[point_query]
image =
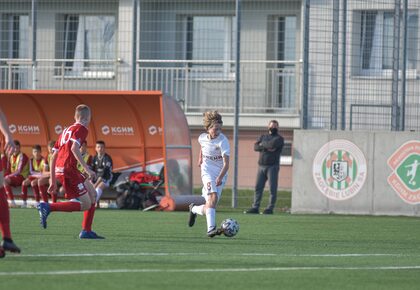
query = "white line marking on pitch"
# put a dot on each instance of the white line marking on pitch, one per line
(205, 254)
(110, 271)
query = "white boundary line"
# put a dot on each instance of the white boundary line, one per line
(224, 270)
(206, 254)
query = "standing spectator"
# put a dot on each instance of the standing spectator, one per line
(37, 166)
(269, 146)
(19, 171)
(7, 243)
(63, 167)
(214, 162)
(102, 165)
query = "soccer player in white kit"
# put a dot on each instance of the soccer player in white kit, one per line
(214, 162)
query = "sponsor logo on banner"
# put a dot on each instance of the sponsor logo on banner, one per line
(153, 130)
(339, 170)
(405, 176)
(105, 130)
(58, 129)
(118, 130)
(12, 128)
(25, 129)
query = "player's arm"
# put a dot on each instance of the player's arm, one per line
(224, 170)
(275, 144)
(108, 168)
(76, 152)
(46, 167)
(9, 146)
(200, 158)
(258, 146)
(53, 183)
(32, 171)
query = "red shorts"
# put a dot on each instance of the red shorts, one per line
(31, 177)
(16, 180)
(73, 183)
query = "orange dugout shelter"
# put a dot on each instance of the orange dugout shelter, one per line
(143, 131)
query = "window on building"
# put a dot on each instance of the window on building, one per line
(281, 48)
(14, 31)
(286, 154)
(88, 44)
(14, 45)
(376, 41)
(210, 39)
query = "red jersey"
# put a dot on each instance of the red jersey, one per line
(66, 162)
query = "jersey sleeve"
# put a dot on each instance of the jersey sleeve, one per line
(79, 135)
(225, 147)
(57, 144)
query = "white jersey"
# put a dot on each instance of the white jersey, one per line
(212, 151)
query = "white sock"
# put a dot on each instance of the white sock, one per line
(211, 218)
(198, 209)
(98, 194)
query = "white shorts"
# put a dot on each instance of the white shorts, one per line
(209, 186)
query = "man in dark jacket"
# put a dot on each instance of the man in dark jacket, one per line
(269, 146)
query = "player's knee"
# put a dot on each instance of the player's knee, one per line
(211, 203)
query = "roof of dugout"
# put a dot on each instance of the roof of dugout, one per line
(143, 130)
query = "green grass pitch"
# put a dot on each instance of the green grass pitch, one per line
(157, 250)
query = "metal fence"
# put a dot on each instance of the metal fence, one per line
(362, 65)
(332, 64)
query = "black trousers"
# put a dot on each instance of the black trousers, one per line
(272, 174)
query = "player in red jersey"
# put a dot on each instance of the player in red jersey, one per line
(7, 243)
(37, 166)
(63, 168)
(19, 171)
(43, 181)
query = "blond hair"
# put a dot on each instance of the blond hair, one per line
(82, 112)
(210, 118)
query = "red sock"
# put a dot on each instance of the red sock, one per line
(35, 189)
(54, 197)
(88, 218)
(4, 215)
(67, 206)
(24, 192)
(9, 192)
(43, 192)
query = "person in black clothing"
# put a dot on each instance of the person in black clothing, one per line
(269, 146)
(102, 165)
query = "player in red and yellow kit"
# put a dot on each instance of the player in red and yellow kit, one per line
(7, 243)
(63, 168)
(45, 178)
(19, 171)
(37, 166)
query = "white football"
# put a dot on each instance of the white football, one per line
(230, 227)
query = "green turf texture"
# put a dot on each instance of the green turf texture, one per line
(280, 251)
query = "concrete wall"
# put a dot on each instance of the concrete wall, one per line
(385, 186)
